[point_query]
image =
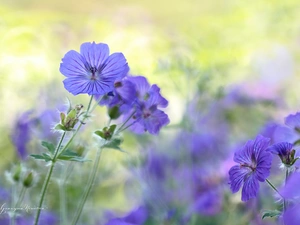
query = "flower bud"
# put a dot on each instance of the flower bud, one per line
(28, 181)
(17, 173)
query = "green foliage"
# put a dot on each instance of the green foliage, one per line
(271, 213)
(68, 155)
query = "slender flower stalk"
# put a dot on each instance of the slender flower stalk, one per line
(126, 121)
(274, 188)
(285, 202)
(56, 154)
(88, 187)
(46, 182)
(13, 190)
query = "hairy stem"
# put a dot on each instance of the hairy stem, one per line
(46, 182)
(88, 187)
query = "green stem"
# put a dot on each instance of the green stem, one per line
(21, 196)
(13, 192)
(46, 182)
(285, 202)
(88, 187)
(274, 188)
(120, 129)
(56, 155)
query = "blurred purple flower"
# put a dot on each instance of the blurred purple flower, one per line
(47, 218)
(292, 216)
(136, 217)
(208, 203)
(254, 166)
(285, 152)
(293, 121)
(291, 189)
(21, 133)
(147, 116)
(93, 70)
(123, 96)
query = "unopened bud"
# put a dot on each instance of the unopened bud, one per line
(28, 181)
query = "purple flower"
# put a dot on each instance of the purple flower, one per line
(21, 134)
(293, 121)
(136, 217)
(291, 189)
(123, 96)
(291, 216)
(147, 116)
(285, 152)
(93, 70)
(254, 166)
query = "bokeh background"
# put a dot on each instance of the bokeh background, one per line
(225, 66)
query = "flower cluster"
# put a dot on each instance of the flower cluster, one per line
(93, 71)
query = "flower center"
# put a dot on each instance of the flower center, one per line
(94, 73)
(252, 167)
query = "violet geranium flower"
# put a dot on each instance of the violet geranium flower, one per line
(285, 152)
(148, 116)
(92, 71)
(254, 166)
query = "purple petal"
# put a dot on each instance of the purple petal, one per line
(94, 54)
(157, 120)
(291, 189)
(292, 215)
(115, 67)
(141, 84)
(237, 175)
(80, 86)
(282, 148)
(293, 121)
(73, 64)
(156, 98)
(250, 188)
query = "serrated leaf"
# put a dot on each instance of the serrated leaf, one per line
(37, 156)
(49, 146)
(271, 213)
(68, 155)
(114, 144)
(45, 157)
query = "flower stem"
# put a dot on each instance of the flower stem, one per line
(285, 203)
(120, 129)
(21, 196)
(274, 188)
(46, 182)
(56, 155)
(13, 194)
(88, 187)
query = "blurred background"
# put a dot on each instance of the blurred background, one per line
(226, 67)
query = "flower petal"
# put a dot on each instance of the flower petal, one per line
(80, 86)
(73, 64)
(250, 188)
(94, 54)
(115, 67)
(236, 177)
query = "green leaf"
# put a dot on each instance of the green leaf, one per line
(45, 157)
(60, 127)
(68, 155)
(99, 133)
(114, 143)
(271, 213)
(49, 146)
(112, 128)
